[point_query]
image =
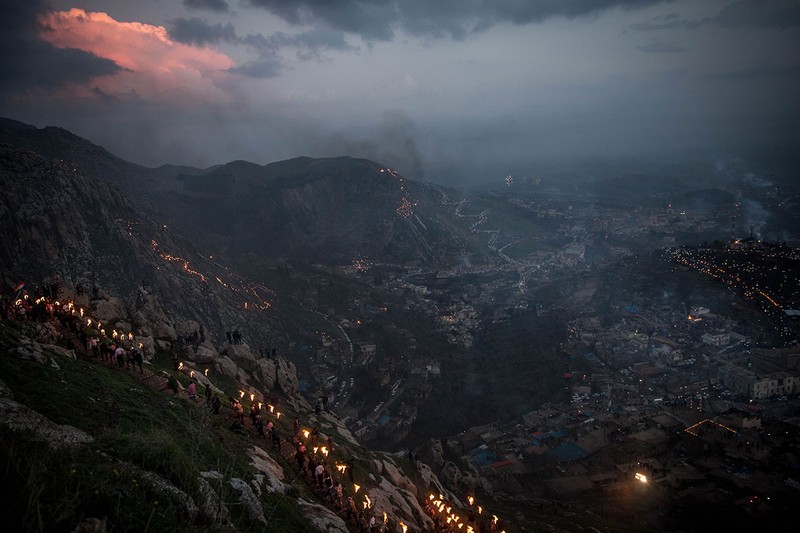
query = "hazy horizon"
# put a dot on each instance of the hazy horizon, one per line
(442, 92)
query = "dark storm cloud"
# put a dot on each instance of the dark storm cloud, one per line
(308, 45)
(379, 19)
(662, 47)
(220, 6)
(670, 21)
(311, 43)
(28, 63)
(778, 14)
(754, 14)
(261, 68)
(196, 31)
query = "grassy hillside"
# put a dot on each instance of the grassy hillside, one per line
(137, 429)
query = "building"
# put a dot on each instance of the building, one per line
(755, 386)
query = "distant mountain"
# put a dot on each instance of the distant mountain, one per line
(327, 211)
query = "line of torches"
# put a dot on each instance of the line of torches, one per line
(342, 468)
(269, 406)
(116, 335)
(440, 505)
(437, 504)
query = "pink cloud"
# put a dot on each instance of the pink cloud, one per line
(156, 67)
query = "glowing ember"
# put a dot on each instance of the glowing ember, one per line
(356, 488)
(406, 209)
(180, 365)
(405, 527)
(367, 502)
(306, 433)
(252, 396)
(205, 372)
(341, 468)
(174, 259)
(241, 394)
(278, 415)
(641, 477)
(470, 499)
(362, 265)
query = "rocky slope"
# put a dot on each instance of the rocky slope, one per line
(257, 480)
(57, 221)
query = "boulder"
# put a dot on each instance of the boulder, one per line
(212, 507)
(266, 372)
(165, 487)
(108, 309)
(248, 500)
(287, 377)
(148, 346)
(186, 327)
(201, 355)
(430, 478)
(272, 471)
(395, 475)
(241, 351)
(322, 519)
(20, 418)
(226, 367)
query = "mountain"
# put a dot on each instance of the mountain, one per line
(332, 210)
(57, 221)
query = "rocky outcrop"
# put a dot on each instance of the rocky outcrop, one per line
(248, 500)
(108, 309)
(272, 471)
(19, 418)
(400, 505)
(322, 518)
(212, 507)
(161, 485)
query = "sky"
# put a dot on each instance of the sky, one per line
(437, 89)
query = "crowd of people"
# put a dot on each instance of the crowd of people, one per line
(312, 452)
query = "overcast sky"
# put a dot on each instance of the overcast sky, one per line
(428, 86)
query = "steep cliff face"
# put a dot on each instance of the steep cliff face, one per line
(55, 220)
